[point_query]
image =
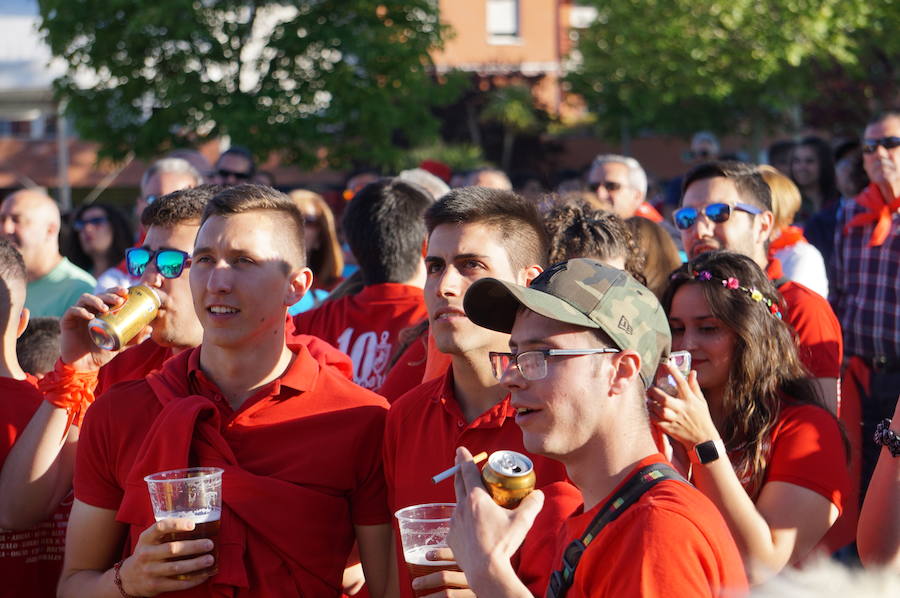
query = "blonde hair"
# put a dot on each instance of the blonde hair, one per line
(786, 197)
(326, 261)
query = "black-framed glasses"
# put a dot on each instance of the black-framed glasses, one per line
(685, 218)
(79, 225)
(533, 364)
(170, 263)
(608, 185)
(241, 176)
(870, 146)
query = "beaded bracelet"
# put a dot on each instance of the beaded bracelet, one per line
(118, 581)
(884, 436)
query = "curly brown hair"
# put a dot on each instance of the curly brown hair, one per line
(765, 372)
(578, 230)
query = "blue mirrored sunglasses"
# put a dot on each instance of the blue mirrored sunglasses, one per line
(685, 218)
(170, 263)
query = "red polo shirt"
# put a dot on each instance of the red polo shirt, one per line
(30, 560)
(819, 340)
(365, 326)
(423, 430)
(671, 542)
(132, 364)
(302, 461)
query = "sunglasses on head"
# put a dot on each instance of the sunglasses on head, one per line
(608, 185)
(79, 225)
(685, 218)
(170, 263)
(243, 176)
(870, 146)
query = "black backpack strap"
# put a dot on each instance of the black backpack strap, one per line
(634, 488)
(778, 282)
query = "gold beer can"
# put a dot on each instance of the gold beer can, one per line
(116, 327)
(509, 477)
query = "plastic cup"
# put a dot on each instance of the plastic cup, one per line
(424, 528)
(194, 493)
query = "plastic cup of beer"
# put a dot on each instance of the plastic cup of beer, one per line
(194, 493)
(424, 528)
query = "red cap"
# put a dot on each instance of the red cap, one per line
(438, 169)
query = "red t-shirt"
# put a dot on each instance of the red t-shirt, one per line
(409, 370)
(30, 560)
(311, 430)
(819, 339)
(671, 542)
(365, 326)
(132, 364)
(425, 426)
(807, 450)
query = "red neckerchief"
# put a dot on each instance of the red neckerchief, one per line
(790, 236)
(878, 210)
(645, 210)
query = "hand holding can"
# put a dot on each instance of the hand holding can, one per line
(115, 328)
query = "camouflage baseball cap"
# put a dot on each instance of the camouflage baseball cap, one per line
(586, 293)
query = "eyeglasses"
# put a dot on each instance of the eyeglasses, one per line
(170, 263)
(79, 225)
(241, 176)
(608, 185)
(533, 364)
(685, 218)
(870, 146)
(150, 199)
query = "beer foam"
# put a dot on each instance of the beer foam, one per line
(416, 556)
(198, 516)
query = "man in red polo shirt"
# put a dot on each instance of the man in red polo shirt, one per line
(383, 225)
(474, 232)
(31, 556)
(586, 340)
(728, 205)
(299, 443)
(39, 470)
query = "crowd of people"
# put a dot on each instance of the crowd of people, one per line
(331, 357)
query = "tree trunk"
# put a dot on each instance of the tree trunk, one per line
(509, 139)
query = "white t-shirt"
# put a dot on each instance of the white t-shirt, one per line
(803, 263)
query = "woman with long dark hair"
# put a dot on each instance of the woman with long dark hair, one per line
(761, 444)
(100, 235)
(812, 170)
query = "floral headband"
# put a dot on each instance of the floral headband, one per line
(735, 285)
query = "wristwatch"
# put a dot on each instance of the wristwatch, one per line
(884, 436)
(706, 452)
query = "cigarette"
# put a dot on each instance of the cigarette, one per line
(452, 471)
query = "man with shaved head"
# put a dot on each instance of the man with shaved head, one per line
(30, 220)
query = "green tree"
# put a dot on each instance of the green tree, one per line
(512, 107)
(738, 66)
(352, 77)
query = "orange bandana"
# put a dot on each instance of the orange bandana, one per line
(878, 211)
(790, 236)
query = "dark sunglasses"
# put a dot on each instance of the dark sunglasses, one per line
(170, 263)
(685, 218)
(79, 225)
(870, 146)
(242, 176)
(608, 185)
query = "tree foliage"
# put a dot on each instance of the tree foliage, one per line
(731, 66)
(513, 108)
(351, 76)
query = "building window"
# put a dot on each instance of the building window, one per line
(502, 21)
